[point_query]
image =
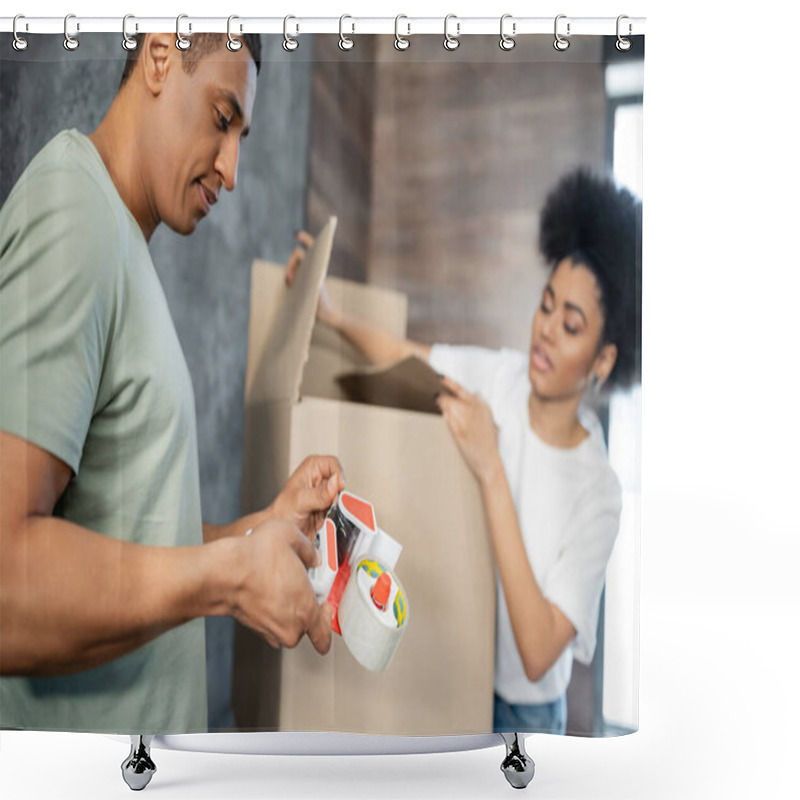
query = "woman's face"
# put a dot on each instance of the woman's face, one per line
(565, 339)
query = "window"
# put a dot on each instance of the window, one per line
(624, 88)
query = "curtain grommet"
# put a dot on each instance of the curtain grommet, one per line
(233, 44)
(290, 44)
(401, 42)
(622, 44)
(181, 42)
(561, 43)
(507, 42)
(19, 44)
(345, 43)
(128, 42)
(70, 42)
(451, 42)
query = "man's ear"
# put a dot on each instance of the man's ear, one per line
(157, 57)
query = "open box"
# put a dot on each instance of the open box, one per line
(404, 461)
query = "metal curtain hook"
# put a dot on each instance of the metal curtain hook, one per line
(507, 42)
(234, 45)
(70, 42)
(181, 42)
(560, 42)
(19, 43)
(128, 42)
(345, 43)
(623, 44)
(401, 42)
(451, 42)
(289, 44)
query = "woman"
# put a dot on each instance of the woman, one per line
(551, 498)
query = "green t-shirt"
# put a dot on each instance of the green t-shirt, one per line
(91, 370)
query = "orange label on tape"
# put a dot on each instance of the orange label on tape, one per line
(360, 509)
(335, 596)
(330, 531)
(381, 591)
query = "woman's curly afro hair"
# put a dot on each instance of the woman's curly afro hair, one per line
(591, 221)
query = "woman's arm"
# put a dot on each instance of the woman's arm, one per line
(376, 344)
(541, 630)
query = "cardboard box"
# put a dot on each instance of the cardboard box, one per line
(404, 462)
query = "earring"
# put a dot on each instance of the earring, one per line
(594, 381)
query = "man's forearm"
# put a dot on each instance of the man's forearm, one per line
(213, 533)
(72, 599)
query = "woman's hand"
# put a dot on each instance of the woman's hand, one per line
(305, 241)
(326, 311)
(470, 421)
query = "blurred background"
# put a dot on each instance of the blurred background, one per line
(436, 165)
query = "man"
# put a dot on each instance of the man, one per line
(106, 570)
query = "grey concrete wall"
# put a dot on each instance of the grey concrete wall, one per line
(206, 276)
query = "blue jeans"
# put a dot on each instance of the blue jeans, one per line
(535, 718)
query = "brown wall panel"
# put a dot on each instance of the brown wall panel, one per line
(464, 155)
(340, 173)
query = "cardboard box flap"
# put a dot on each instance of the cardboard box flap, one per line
(281, 321)
(331, 354)
(411, 384)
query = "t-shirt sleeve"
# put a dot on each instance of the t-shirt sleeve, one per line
(477, 369)
(57, 288)
(493, 374)
(575, 581)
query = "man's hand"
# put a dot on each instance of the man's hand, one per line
(274, 596)
(309, 493)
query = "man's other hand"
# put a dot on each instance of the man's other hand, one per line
(309, 493)
(274, 596)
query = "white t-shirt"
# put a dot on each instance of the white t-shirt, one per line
(568, 504)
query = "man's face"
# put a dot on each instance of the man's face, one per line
(193, 145)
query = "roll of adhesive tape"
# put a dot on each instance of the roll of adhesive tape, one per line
(373, 614)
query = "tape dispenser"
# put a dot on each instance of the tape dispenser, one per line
(370, 608)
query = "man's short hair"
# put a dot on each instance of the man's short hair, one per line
(202, 45)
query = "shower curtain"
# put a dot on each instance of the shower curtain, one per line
(471, 211)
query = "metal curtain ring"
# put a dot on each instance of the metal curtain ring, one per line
(507, 42)
(401, 42)
(289, 44)
(451, 42)
(623, 44)
(234, 45)
(19, 43)
(181, 42)
(344, 42)
(560, 42)
(70, 42)
(128, 42)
